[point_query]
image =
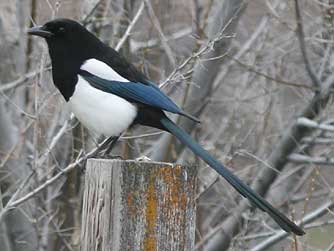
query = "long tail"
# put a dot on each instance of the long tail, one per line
(242, 188)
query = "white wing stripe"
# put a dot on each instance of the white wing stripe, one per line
(102, 70)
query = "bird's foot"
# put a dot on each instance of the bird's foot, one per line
(143, 158)
(104, 155)
(109, 156)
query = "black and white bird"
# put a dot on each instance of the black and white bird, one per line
(108, 95)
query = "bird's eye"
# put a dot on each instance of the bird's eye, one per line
(61, 29)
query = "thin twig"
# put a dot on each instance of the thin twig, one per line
(301, 37)
(86, 20)
(54, 141)
(15, 203)
(130, 27)
(305, 122)
(279, 81)
(157, 26)
(154, 42)
(13, 197)
(209, 45)
(319, 212)
(318, 140)
(304, 159)
(141, 135)
(20, 81)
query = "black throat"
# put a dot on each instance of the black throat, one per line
(64, 74)
(67, 58)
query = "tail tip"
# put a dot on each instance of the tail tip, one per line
(193, 118)
(298, 231)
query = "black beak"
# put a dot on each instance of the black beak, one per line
(40, 31)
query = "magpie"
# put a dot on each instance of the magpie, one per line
(108, 95)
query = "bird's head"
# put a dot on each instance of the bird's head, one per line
(59, 30)
(66, 38)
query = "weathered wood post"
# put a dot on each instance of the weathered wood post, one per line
(138, 206)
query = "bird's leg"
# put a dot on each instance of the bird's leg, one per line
(106, 147)
(111, 144)
(104, 150)
(109, 141)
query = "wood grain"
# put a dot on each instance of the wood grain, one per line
(137, 206)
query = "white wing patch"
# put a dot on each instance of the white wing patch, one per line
(103, 113)
(102, 70)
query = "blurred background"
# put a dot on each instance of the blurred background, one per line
(259, 75)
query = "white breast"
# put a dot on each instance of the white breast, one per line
(101, 112)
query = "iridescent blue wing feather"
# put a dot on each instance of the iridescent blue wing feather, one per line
(147, 93)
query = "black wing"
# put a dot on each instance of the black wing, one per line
(143, 93)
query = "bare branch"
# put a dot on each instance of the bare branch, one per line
(277, 159)
(156, 24)
(138, 45)
(279, 81)
(50, 181)
(20, 81)
(301, 37)
(304, 159)
(319, 212)
(130, 27)
(54, 141)
(13, 197)
(318, 140)
(314, 125)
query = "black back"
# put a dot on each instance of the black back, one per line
(71, 45)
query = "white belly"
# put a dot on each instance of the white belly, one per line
(101, 112)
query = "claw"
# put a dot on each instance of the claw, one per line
(143, 158)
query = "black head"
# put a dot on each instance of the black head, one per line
(70, 44)
(60, 28)
(66, 37)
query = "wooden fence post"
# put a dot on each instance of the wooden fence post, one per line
(138, 206)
